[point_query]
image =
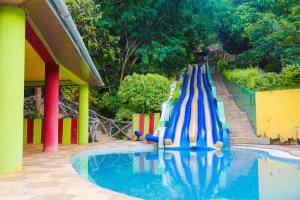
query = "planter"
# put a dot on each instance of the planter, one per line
(145, 123)
(33, 131)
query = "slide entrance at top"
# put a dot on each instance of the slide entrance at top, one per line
(194, 122)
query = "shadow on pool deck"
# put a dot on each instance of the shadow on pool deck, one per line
(51, 176)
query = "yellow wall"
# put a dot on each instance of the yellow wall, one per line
(278, 112)
(35, 67)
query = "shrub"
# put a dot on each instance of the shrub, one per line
(177, 91)
(290, 76)
(267, 81)
(223, 65)
(144, 93)
(71, 93)
(248, 58)
(124, 114)
(107, 104)
(257, 80)
(244, 77)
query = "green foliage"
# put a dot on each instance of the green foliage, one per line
(71, 92)
(124, 114)
(257, 80)
(267, 81)
(29, 91)
(223, 64)
(107, 104)
(143, 36)
(262, 33)
(161, 36)
(177, 91)
(290, 76)
(144, 93)
(244, 77)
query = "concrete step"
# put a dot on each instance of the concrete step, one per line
(244, 140)
(241, 130)
(249, 140)
(241, 135)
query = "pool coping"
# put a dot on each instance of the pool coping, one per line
(113, 150)
(278, 153)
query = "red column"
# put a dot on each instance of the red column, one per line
(51, 107)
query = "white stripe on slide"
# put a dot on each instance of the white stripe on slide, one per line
(193, 126)
(209, 139)
(180, 120)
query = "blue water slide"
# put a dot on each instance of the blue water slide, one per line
(216, 129)
(170, 130)
(201, 137)
(184, 139)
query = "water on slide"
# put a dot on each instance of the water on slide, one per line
(194, 122)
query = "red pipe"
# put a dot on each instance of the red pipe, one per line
(51, 107)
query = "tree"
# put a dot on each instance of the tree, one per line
(262, 33)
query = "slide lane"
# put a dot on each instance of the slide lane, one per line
(192, 124)
(170, 130)
(186, 114)
(208, 123)
(201, 138)
(215, 125)
(182, 113)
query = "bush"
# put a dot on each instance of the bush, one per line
(177, 91)
(244, 77)
(71, 92)
(257, 80)
(267, 81)
(223, 65)
(124, 114)
(290, 76)
(248, 58)
(144, 93)
(107, 104)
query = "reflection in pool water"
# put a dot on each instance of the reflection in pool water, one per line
(234, 174)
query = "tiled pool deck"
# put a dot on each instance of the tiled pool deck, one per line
(51, 176)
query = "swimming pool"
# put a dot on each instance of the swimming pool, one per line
(228, 174)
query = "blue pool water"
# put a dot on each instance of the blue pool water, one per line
(228, 174)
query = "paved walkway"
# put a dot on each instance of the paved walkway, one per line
(51, 176)
(241, 131)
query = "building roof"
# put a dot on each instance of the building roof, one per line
(53, 23)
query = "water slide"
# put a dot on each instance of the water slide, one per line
(194, 122)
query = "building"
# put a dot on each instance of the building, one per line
(39, 46)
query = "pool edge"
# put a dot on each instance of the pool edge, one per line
(278, 153)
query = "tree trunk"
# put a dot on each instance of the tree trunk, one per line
(38, 101)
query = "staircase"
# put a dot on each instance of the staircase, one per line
(241, 130)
